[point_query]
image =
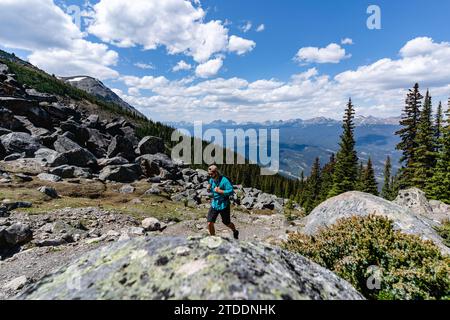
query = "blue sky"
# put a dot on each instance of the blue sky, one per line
(236, 71)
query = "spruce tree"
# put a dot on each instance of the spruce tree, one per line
(313, 185)
(359, 186)
(370, 184)
(386, 192)
(425, 152)
(439, 188)
(346, 168)
(408, 135)
(327, 178)
(438, 128)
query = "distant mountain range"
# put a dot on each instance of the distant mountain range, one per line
(301, 141)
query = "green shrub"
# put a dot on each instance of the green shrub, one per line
(408, 267)
(444, 232)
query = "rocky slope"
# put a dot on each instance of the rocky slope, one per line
(193, 269)
(97, 88)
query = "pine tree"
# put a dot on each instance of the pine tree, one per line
(313, 185)
(386, 192)
(408, 135)
(370, 184)
(344, 177)
(425, 153)
(438, 128)
(439, 188)
(359, 186)
(327, 178)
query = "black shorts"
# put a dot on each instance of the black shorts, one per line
(225, 214)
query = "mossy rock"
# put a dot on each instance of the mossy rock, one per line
(197, 268)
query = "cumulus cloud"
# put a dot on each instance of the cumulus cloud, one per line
(261, 28)
(377, 89)
(333, 53)
(55, 42)
(178, 25)
(181, 65)
(209, 68)
(240, 45)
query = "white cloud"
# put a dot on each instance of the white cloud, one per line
(333, 53)
(261, 28)
(209, 68)
(347, 41)
(246, 27)
(240, 45)
(377, 89)
(179, 25)
(55, 42)
(144, 66)
(182, 65)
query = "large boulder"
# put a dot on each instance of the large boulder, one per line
(28, 108)
(415, 200)
(125, 173)
(74, 153)
(51, 157)
(150, 145)
(20, 142)
(159, 164)
(158, 268)
(362, 204)
(121, 146)
(15, 235)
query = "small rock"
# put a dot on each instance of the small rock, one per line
(49, 177)
(155, 191)
(23, 177)
(151, 224)
(127, 189)
(51, 192)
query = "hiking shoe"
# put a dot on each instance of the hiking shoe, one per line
(236, 234)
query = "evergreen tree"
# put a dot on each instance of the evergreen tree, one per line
(425, 153)
(327, 178)
(370, 184)
(386, 192)
(346, 168)
(313, 185)
(438, 128)
(359, 186)
(408, 135)
(439, 188)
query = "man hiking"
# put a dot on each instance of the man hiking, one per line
(221, 189)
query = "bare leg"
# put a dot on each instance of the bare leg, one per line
(212, 230)
(232, 226)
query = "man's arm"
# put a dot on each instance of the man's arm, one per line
(228, 187)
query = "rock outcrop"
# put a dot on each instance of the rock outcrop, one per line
(196, 268)
(362, 204)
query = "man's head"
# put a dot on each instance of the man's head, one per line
(213, 172)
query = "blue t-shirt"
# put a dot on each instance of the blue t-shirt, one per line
(220, 202)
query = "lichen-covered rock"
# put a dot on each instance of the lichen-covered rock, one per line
(414, 199)
(362, 204)
(195, 268)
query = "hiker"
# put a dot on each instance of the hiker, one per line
(222, 189)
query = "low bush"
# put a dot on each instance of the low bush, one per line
(377, 260)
